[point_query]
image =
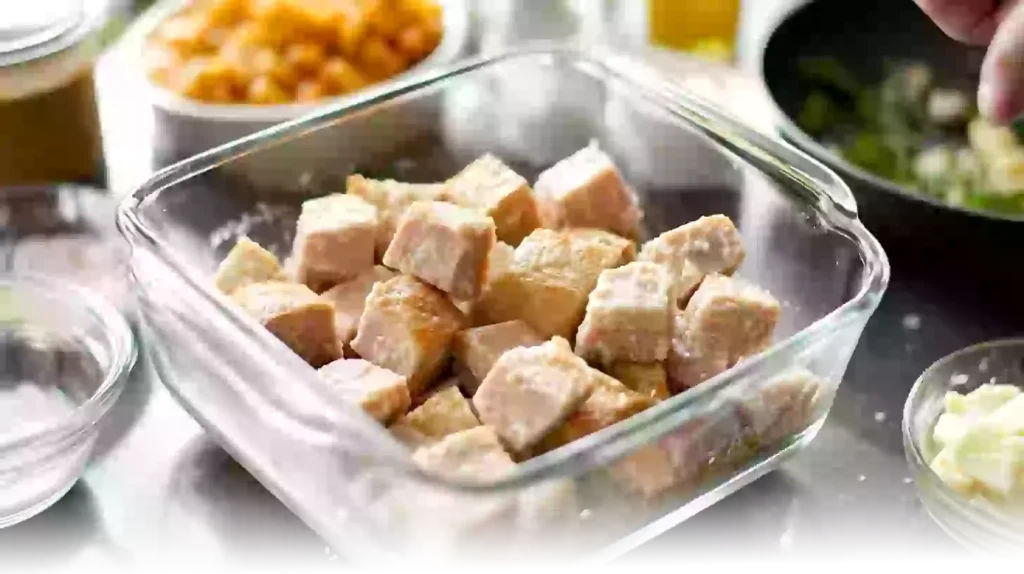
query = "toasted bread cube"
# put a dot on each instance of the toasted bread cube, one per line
(489, 185)
(391, 198)
(549, 504)
(349, 299)
(444, 413)
(295, 315)
(407, 327)
(782, 406)
(444, 245)
(609, 402)
(530, 391)
(629, 316)
(648, 379)
(246, 263)
(585, 190)
(711, 244)
(726, 320)
(476, 350)
(380, 392)
(500, 259)
(474, 454)
(334, 240)
(697, 445)
(647, 471)
(550, 278)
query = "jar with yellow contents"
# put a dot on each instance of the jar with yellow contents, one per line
(704, 27)
(49, 124)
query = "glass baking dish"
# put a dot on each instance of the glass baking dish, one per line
(344, 474)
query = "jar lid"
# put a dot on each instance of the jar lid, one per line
(32, 29)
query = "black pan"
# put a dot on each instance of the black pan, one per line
(863, 35)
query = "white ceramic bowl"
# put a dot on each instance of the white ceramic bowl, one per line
(185, 127)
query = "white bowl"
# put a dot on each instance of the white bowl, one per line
(185, 127)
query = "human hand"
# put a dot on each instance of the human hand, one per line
(1000, 25)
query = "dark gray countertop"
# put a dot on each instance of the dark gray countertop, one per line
(160, 490)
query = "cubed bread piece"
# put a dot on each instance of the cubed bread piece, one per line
(783, 406)
(726, 320)
(296, 315)
(476, 350)
(391, 198)
(609, 402)
(489, 185)
(334, 240)
(702, 442)
(444, 413)
(530, 391)
(349, 299)
(629, 316)
(711, 244)
(585, 190)
(407, 327)
(550, 278)
(648, 379)
(647, 471)
(246, 263)
(549, 504)
(444, 245)
(499, 260)
(471, 454)
(381, 393)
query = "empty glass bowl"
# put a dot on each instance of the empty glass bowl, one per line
(974, 522)
(65, 354)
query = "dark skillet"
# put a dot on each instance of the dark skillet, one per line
(916, 230)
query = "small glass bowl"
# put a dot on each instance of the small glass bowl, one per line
(974, 522)
(65, 354)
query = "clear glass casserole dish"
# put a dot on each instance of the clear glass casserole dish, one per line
(344, 474)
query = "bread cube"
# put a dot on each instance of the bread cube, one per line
(701, 443)
(552, 503)
(295, 315)
(471, 454)
(608, 403)
(648, 379)
(444, 413)
(407, 327)
(246, 263)
(647, 471)
(391, 198)
(476, 350)
(334, 240)
(726, 320)
(530, 391)
(629, 316)
(711, 244)
(444, 245)
(783, 406)
(349, 299)
(499, 260)
(489, 185)
(550, 278)
(380, 392)
(585, 190)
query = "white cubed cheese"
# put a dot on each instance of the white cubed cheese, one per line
(407, 326)
(530, 391)
(334, 240)
(381, 393)
(629, 316)
(445, 245)
(585, 190)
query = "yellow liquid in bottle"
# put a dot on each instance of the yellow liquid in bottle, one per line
(704, 27)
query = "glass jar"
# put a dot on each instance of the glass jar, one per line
(49, 124)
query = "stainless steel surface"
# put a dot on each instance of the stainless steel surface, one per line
(160, 491)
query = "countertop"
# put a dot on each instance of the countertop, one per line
(160, 491)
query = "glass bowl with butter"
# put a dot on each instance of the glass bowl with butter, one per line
(963, 432)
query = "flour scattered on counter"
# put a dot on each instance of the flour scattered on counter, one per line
(861, 478)
(907, 480)
(911, 322)
(983, 365)
(959, 380)
(880, 417)
(585, 514)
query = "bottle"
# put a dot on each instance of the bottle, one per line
(704, 27)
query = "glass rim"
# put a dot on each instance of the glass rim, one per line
(826, 194)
